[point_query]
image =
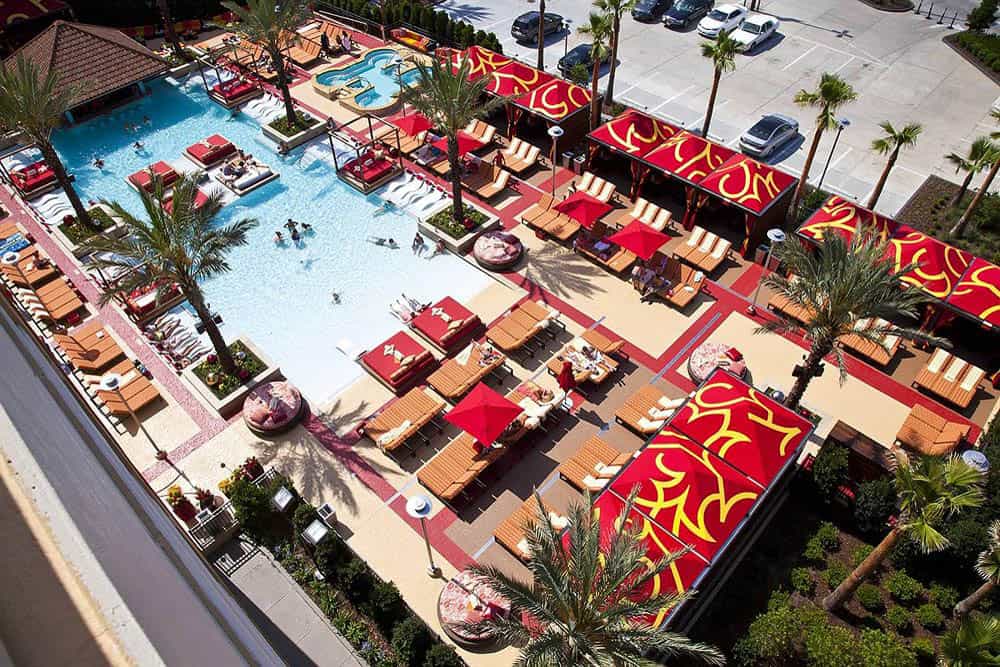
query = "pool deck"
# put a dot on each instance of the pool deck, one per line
(330, 462)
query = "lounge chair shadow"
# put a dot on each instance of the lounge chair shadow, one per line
(560, 271)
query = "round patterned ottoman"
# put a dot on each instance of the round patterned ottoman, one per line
(707, 356)
(464, 599)
(497, 250)
(272, 408)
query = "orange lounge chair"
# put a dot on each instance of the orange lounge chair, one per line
(930, 434)
(89, 348)
(646, 411)
(455, 377)
(55, 301)
(593, 465)
(602, 343)
(609, 255)
(402, 419)
(951, 378)
(33, 268)
(870, 349)
(596, 373)
(511, 532)
(136, 389)
(520, 156)
(685, 282)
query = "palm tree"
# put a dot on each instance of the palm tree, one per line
(598, 28)
(974, 204)
(974, 643)
(981, 154)
(584, 605)
(723, 55)
(930, 490)
(271, 24)
(169, 33)
(450, 101)
(832, 93)
(890, 143)
(181, 247)
(840, 284)
(613, 9)
(988, 567)
(36, 105)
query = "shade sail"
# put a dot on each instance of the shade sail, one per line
(483, 414)
(939, 265)
(634, 133)
(413, 124)
(845, 217)
(514, 79)
(755, 434)
(978, 293)
(483, 61)
(688, 157)
(749, 184)
(584, 208)
(466, 143)
(555, 100)
(682, 575)
(688, 490)
(640, 238)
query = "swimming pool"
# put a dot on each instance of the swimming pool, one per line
(279, 296)
(374, 74)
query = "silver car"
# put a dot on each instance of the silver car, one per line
(768, 134)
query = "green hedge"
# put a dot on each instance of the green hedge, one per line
(985, 48)
(982, 17)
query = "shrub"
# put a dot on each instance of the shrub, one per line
(879, 649)
(385, 605)
(924, 648)
(252, 508)
(304, 515)
(869, 596)
(772, 636)
(830, 646)
(830, 469)
(874, 503)
(442, 655)
(860, 553)
(929, 616)
(355, 580)
(802, 581)
(904, 588)
(330, 555)
(814, 551)
(410, 641)
(985, 48)
(966, 539)
(828, 536)
(945, 597)
(898, 618)
(835, 573)
(983, 15)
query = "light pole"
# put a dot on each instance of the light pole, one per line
(775, 236)
(419, 507)
(113, 382)
(842, 124)
(555, 132)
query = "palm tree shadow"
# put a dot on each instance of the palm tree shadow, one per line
(560, 271)
(470, 12)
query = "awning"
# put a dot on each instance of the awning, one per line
(633, 133)
(688, 157)
(978, 293)
(639, 238)
(555, 100)
(483, 61)
(751, 185)
(514, 79)
(484, 414)
(845, 217)
(940, 266)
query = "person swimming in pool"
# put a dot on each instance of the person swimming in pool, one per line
(295, 234)
(138, 146)
(306, 227)
(388, 243)
(335, 296)
(290, 225)
(98, 162)
(146, 120)
(279, 237)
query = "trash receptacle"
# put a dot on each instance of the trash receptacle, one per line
(761, 255)
(578, 162)
(567, 159)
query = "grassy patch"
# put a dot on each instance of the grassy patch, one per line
(444, 221)
(78, 233)
(247, 363)
(282, 125)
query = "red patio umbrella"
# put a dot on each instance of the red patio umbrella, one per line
(583, 208)
(466, 143)
(413, 124)
(566, 379)
(640, 238)
(484, 414)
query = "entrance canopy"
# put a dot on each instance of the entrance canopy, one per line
(555, 100)
(750, 185)
(633, 133)
(688, 157)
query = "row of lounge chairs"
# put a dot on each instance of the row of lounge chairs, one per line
(488, 181)
(517, 329)
(589, 363)
(520, 156)
(595, 186)
(543, 217)
(951, 378)
(930, 434)
(704, 250)
(37, 283)
(646, 411)
(595, 246)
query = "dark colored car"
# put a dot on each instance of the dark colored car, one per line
(525, 28)
(650, 10)
(579, 55)
(686, 13)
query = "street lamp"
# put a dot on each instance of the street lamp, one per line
(419, 507)
(555, 132)
(775, 236)
(113, 382)
(842, 124)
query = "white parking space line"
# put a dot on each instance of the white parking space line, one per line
(833, 165)
(846, 63)
(800, 57)
(674, 97)
(867, 56)
(488, 26)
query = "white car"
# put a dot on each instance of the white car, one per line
(754, 31)
(723, 17)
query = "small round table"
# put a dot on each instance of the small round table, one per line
(464, 599)
(707, 356)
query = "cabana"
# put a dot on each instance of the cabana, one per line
(559, 103)
(845, 217)
(368, 164)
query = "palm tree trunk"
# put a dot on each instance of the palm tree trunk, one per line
(793, 207)
(457, 209)
(197, 300)
(541, 34)
(847, 587)
(711, 102)
(282, 82)
(962, 190)
(820, 349)
(963, 608)
(595, 107)
(52, 159)
(883, 178)
(168, 28)
(610, 91)
(959, 227)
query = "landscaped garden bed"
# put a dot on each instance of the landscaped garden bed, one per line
(73, 234)
(979, 48)
(459, 236)
(288, 135)
(226, 392)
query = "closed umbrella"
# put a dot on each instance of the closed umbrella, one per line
(583, 208)
(484, 414)
(640, 238)
(566, 378)
(466, 143)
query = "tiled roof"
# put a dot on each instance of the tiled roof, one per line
(94, 59)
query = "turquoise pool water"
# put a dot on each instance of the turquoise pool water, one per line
(371, 70)
(278, 296)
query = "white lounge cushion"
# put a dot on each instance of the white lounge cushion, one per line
(972, 378)
(937, 361)
(955, 369)
(648, 426)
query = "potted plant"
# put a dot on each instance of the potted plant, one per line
(205, 498)
(182, 507)
(253, 468)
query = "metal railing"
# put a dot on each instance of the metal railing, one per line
(221, 525)
(942, 14)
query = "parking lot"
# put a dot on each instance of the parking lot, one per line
(897, 63)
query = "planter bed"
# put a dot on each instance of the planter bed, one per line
(73, 238)
(461, 243)
(262, 369)
(314, 128)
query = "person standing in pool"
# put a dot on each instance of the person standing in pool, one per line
(290, 225)
(418, 244)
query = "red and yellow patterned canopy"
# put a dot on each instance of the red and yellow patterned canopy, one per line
(978, 293)
(555, 100)
(749, 184)
(514, 79)
(940, 266)
(752, 432)
(483, 61)
(688, 157)
(634, 133)
(845, 217)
